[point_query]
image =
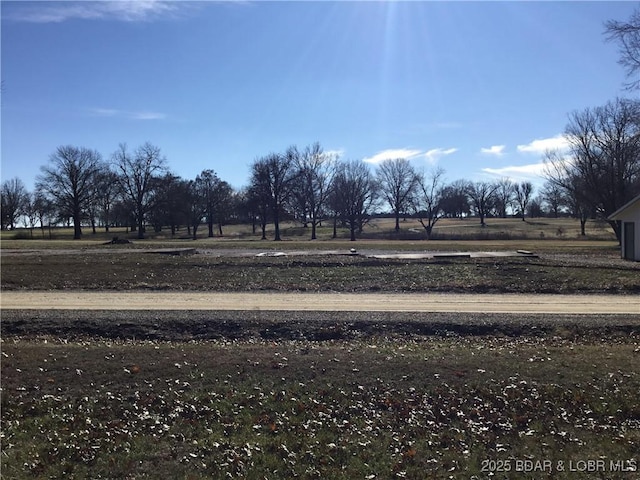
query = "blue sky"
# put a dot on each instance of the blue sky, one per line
(480, 89)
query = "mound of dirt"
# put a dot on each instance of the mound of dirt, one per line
(117, 241)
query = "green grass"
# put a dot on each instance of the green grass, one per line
(405, 407)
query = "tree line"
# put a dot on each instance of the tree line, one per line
(595, 176)
(136, 189)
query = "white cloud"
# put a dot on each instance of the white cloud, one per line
(337, 153)
(124, 10)
(540, 146)
(532, 171)
(142, 115)
(392, 154)
(497, 150)
(104, 112)
(433, 155)
(147, 116)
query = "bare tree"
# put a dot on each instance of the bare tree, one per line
(554, 197)
(535, 207)
(136, 178)
(272, 179)
(105, 189)
(315, 172)
(68, 181)
(14, 195)
(580, 204)
(29, 213)
(355, 193)
(106, 195)
(523, 192)
(559, 172)
(210, 184)
(504, 196)
(171, 203)
(398, 183)
(455, 201)
(259, 194)
(45, 211)
(196, 203)
(481, 195)
(428, 199)
(603, 158)
(627, 34)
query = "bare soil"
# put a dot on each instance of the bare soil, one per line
(304, 325)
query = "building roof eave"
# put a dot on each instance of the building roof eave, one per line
(627, 205)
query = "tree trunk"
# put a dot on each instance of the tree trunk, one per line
(397, 222)
(313, 227)
(615, 225)
(429, 229)
(77, 229)
(276, 224)
(140, 226)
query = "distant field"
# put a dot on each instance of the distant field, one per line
(446, 229)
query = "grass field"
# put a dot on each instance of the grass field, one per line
(381, 229)
(392, 406)
(284, 395)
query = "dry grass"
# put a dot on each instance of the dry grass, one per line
(381, 407)
(383, 228)
(601, 271)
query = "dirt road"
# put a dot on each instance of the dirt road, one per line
(323, 302)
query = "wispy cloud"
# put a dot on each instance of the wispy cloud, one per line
(336, 153)
(433, 155)
(532, 171)
(540, 146)
(392, 154)
(445, 125)
(141, 115)
(123, 10)
(497, 150)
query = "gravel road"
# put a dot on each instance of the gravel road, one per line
(378, 302)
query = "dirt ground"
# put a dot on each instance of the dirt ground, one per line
(177, 325)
